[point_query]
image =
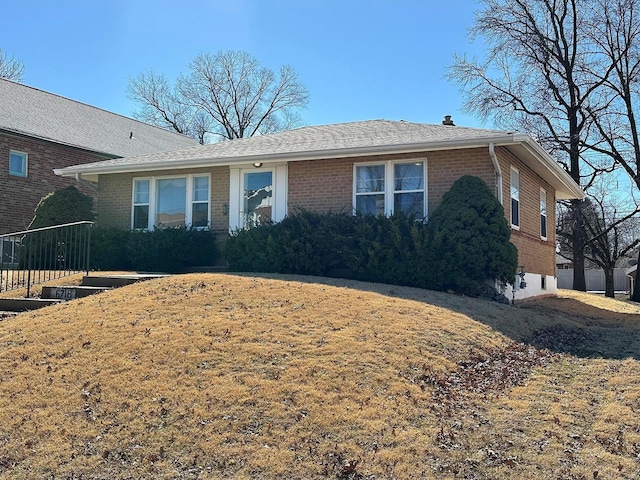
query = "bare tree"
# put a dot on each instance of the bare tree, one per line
(615, 27)
(538, 77)
(10, 67)
(226, 95)
(611, 227)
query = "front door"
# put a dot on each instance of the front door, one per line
(257, 198)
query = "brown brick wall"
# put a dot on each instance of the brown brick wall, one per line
(537, 255)
(20, 195)
(114, 207)
(445, 167)
(327, 185)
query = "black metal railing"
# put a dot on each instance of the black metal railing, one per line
(43, 254)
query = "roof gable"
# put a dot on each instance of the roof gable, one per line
(36, 113)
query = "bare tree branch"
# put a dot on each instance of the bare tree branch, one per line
(226, 95)
(10, 67)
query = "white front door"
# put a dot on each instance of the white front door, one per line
(257, 196)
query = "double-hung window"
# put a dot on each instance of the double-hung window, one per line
(167, 202)
(515, 198)
(543, 214)
(390, 187)
(18, 163)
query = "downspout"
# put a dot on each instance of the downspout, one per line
(496, 166)
(91, 186)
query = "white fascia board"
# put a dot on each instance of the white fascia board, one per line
(574, 190)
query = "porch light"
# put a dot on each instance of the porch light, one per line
(257, 164)
(523, 284)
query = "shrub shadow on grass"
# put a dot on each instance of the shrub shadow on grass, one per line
(563, 325)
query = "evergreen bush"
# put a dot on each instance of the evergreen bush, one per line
(469, 240)
(464, 246)
(67, 205)
(170, 250)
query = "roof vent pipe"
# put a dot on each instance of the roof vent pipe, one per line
(447, 121)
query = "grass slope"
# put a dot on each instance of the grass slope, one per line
(222, 376)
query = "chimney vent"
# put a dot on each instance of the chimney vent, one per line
(447, 121)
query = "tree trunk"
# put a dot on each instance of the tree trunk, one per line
(578, 242)
(636, 288)
(609, 287)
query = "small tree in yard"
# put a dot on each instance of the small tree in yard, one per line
(469, 240)
(63, 206)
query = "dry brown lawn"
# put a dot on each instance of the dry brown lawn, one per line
(224, 376)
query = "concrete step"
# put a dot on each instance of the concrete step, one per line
(70, 292)
(118, 280)
(25, 304)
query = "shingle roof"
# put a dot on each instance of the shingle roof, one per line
(28, 111)
(369, 137)
(342, 137)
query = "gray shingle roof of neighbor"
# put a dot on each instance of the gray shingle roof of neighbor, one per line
(35, 113)
(371, 137)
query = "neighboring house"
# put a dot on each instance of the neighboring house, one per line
(375, 166)
(594, 275)
(40, 131)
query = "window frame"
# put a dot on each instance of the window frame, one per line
(543, 214)
(515, 225)
(389, 191)
(25, 164)
(189, 202)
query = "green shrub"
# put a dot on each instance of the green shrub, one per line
(469, 240)
(109, 249)
(377, 249)
(170, 250)
(464, 245)
(67, 205)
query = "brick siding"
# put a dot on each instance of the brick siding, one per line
(327, 185)
(19, 196)
(114, 205)
(535, 254)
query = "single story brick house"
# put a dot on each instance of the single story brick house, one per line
(375, 166)
(40, 131)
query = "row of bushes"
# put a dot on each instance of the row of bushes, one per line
(464, 244)
(169, 250)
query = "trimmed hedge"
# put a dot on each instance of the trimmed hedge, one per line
(170, 250)
(378, 249)
(463, 248)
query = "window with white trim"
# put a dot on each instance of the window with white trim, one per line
(543, 214)
(390, 187)
(168, 202)
(515, 198)
(18, 163)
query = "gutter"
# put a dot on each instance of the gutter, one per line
(91, 186)
(496, 165)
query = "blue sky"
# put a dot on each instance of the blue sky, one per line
(360, 59)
